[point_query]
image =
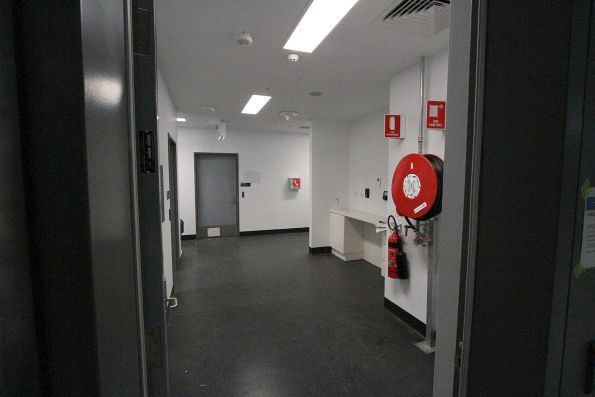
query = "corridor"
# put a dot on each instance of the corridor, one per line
(259, 316)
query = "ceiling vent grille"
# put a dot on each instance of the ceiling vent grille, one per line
(422, 16)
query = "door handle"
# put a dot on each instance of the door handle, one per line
(588, 389)
(172, 302)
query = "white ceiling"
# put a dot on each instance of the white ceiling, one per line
(203, 66)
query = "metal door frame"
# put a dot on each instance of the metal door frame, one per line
(457, 235)
(568, 247)
(143, 102)
(197, 155)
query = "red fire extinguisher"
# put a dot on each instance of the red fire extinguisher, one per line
(397, 260)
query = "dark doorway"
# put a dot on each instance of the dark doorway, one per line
(216, 177)
(174, 217)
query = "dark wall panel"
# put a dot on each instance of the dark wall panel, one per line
(526, 76)
(51, 98)
(73, 92)
(110, 199)
(19, 367)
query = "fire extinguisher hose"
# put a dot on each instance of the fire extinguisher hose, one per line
(392, 227)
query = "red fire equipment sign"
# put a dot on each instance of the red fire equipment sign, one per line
(392, 126)
(436, 115)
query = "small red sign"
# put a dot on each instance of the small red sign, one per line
(296, 183)
(436, 115)
(392, 126)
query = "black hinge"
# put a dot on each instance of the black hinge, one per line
(153, 349)
(141, 31)
(590, 370)
(146, 155)
(459, 355)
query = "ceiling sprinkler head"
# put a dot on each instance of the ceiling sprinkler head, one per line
(244, 39)
(293, 58)
(288, 114)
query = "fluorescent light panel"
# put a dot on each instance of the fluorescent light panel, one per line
(181, 119)
(255, 104)
(319, 20)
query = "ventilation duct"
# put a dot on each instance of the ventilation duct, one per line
(421, 16)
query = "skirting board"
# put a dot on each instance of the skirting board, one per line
(188, 237)
(320, 250)
(348, 257)
(275, 231)
(405, 317)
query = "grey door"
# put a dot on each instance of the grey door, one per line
(579, 335)
(216, 195)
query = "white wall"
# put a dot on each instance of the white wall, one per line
(330, 176)
(368, 156)
(411, 294)
(166, 127)
(274, 156)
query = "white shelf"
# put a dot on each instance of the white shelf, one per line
(378, 221)
(357, 235)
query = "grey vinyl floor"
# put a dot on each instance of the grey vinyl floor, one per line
(259, 316)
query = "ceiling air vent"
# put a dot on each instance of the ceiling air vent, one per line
(423, 16)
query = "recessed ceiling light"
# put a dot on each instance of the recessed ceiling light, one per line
(315, 93)
(318, 21)
(255, 104)
(210, 109)
(181, 119)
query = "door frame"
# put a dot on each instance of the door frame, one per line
(174, 216)
(457, 235)
(568, 249)
(197, 155)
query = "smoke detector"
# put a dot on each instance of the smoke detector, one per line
(244, 39)
(293, 58)
(288, 114)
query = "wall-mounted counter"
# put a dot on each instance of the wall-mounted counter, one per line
(357, 235)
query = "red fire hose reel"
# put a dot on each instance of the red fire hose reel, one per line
(417, 186)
